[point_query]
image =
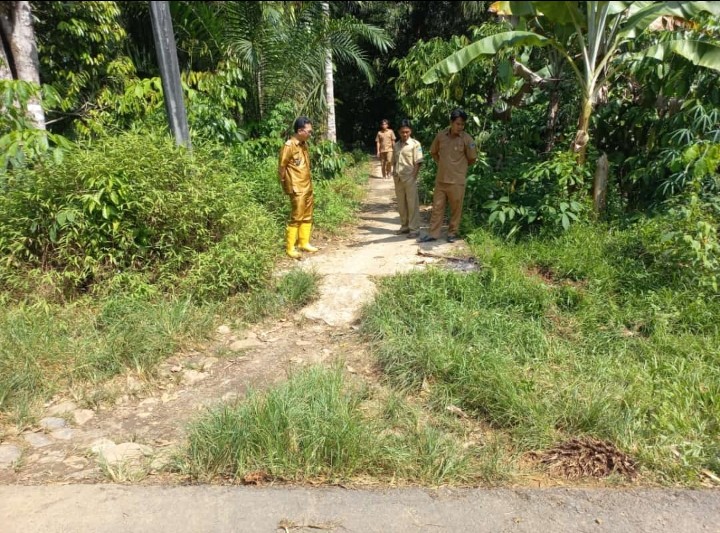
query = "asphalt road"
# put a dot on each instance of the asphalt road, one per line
(126, 509)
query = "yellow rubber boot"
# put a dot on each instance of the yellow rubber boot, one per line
(304, 238)
(291, 237)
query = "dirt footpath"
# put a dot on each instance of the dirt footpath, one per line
(56, 476)
(130, 435)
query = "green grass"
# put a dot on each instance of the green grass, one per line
(318, 425)
(48, 348)
(45, 350)
(337, 201)
(595, 346)
(65, 328)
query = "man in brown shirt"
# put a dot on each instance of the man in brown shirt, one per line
(407, 158)
(453, 150)
(296, 181)
(384, 141)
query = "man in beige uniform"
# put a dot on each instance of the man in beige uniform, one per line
(384, 144)
(453, 150)
(407, 158)
(296, 181)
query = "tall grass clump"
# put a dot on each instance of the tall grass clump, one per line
(578, 335)
(319, 425)
(309, 426)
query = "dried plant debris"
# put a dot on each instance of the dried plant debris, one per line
(586, 457)
(257, 477)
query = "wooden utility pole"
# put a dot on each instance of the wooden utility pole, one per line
(170, 72)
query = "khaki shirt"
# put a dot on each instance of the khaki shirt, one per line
(455, 153)
(295, 159)
(405, 157)
(386, 139)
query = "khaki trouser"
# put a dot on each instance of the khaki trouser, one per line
(446, 193)
(386, 159)
(302, 208)
(408, 203)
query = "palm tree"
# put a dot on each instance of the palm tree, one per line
(253, 34)
(289, 50)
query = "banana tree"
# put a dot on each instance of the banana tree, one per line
(599, 32)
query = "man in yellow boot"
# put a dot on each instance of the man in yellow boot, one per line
(294, 173)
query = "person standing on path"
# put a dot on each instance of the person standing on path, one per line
(384, 145)
(407, 158)
(296, 181)
(453, 150)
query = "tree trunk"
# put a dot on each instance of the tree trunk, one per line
(5, 72)
(7, 69)
(600, 184)
(552, 117)
(331, 134)
(259, 85)
(582, 136)
(23, 61)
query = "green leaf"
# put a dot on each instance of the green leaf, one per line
(700, 53)
(561, 12)
(565, 222)
(487, 46)
(505, 72)
(639, 21)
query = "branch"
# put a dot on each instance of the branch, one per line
(528, 75)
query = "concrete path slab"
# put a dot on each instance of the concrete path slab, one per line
(128, 509)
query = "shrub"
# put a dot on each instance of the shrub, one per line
(548, 193)
(328, 160)
(685, 243)
(135, 203)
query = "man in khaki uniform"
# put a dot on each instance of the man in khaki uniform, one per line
(407, 158)
(384, 144)
(453, 150)
(296, 181)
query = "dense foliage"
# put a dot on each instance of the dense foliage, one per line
(135, 203)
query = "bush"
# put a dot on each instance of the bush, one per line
(547, 194)
(135, 203)
(328, 160)
(684, 242)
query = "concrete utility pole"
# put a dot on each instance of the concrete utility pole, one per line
(170, 72)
